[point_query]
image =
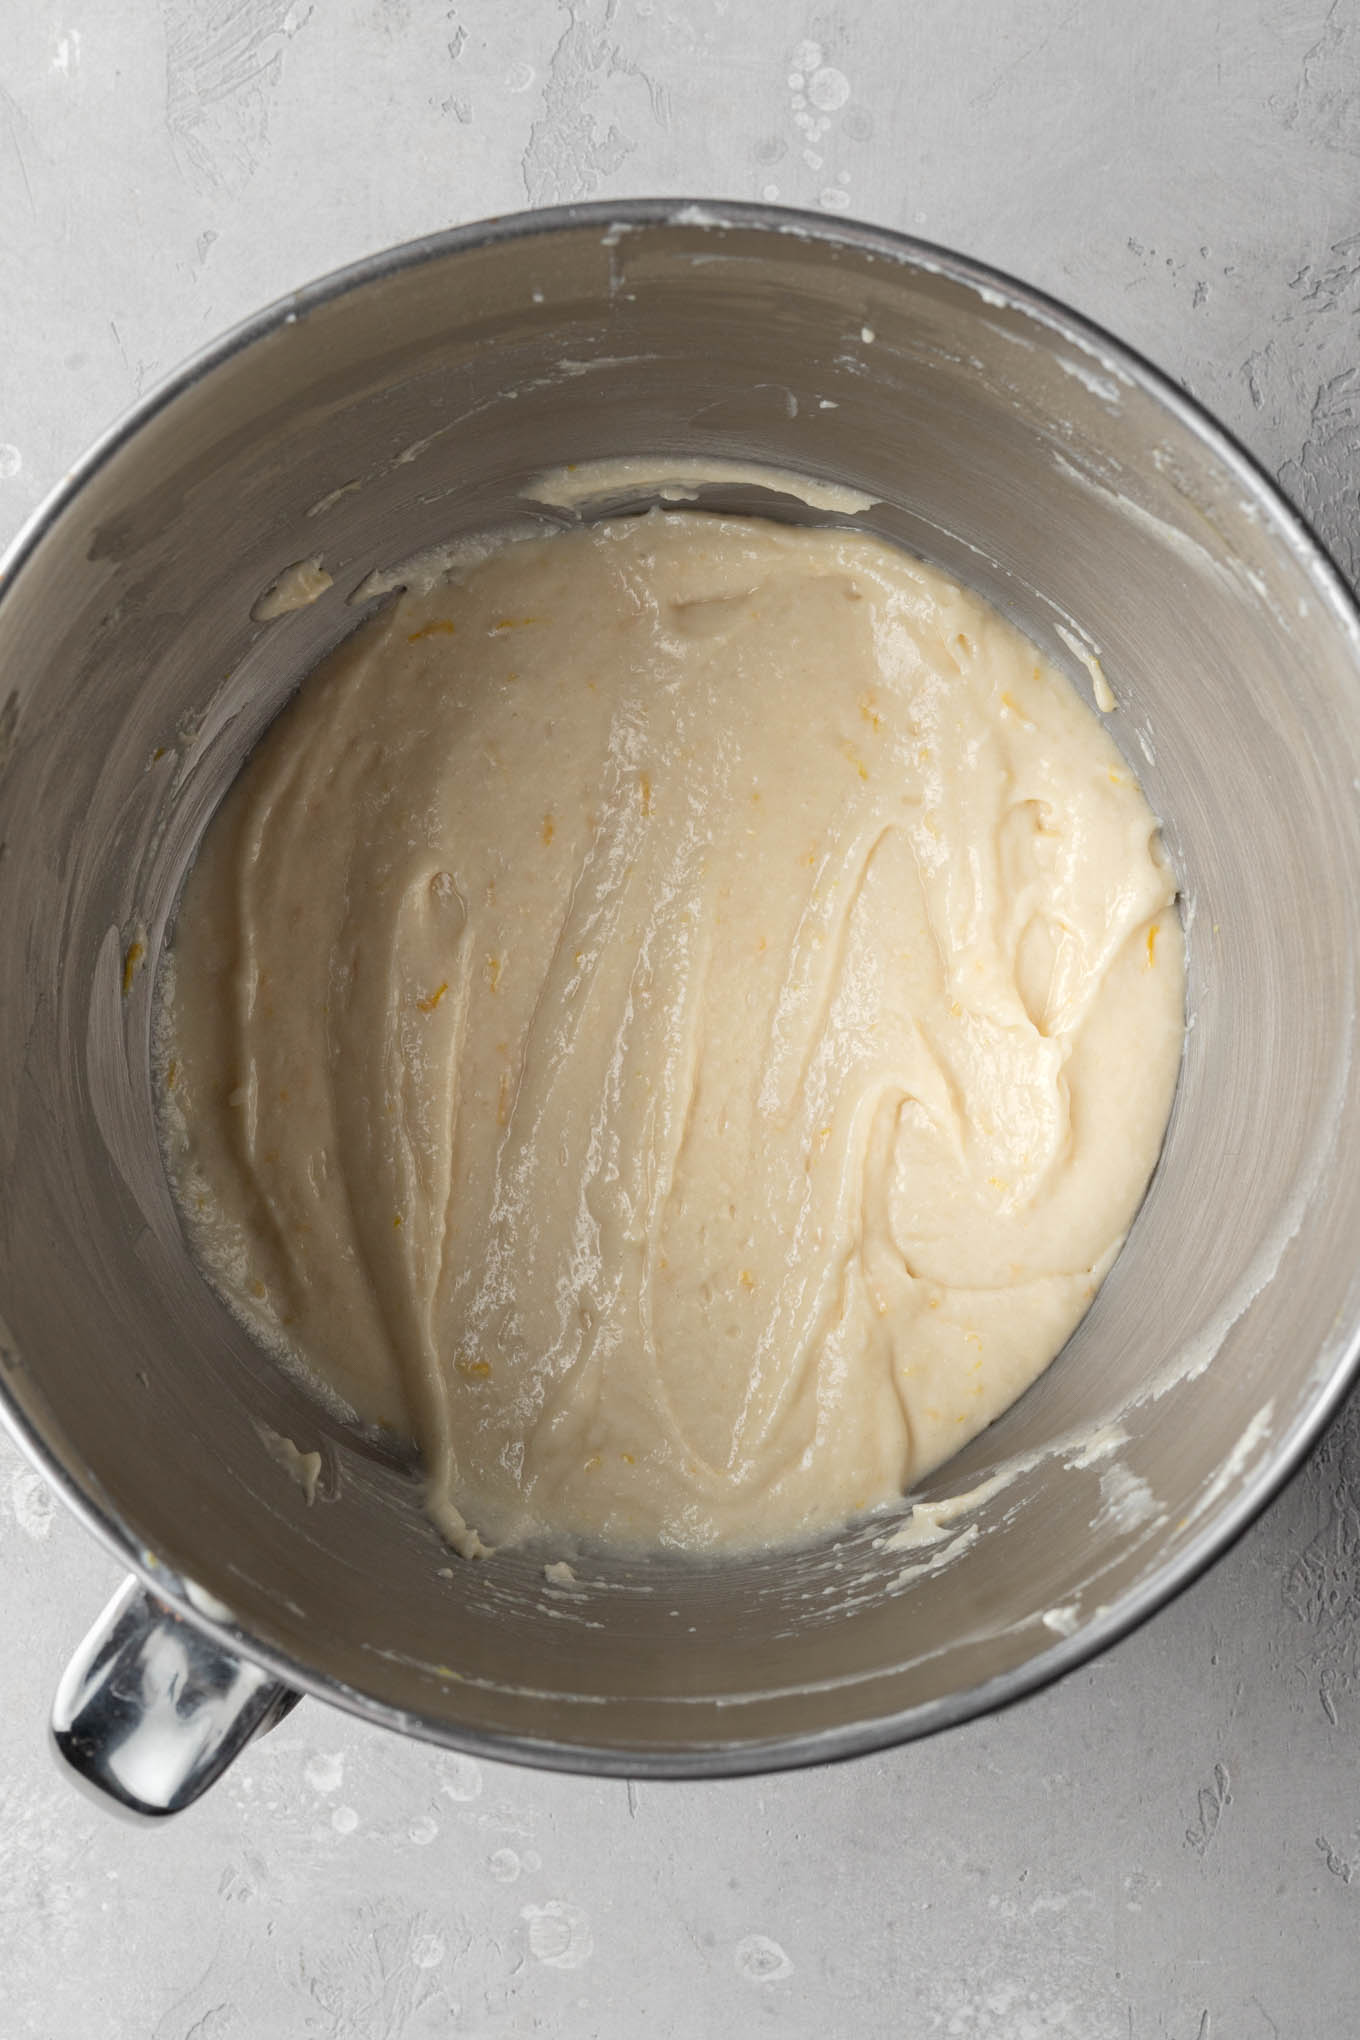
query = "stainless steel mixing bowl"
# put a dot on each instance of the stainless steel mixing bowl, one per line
(412, 398)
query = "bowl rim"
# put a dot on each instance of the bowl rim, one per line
(1224, 1525)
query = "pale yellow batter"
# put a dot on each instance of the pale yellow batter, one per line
(679, 1019)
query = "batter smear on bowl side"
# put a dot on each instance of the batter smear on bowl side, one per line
(678, 1019)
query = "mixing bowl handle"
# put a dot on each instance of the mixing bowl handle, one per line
(151, 1711)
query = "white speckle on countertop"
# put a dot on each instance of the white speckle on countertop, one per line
(33, 1502)
(760, 1960)
(828, 89)
(326, 1772)
(819, 91)
(460, 1777)
(559, 1934)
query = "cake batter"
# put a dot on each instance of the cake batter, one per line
(678, 1019)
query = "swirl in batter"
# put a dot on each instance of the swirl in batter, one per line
(678, 1019)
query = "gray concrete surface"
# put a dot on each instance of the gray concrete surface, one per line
(1168, 1844)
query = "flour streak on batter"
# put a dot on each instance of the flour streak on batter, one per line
(678, 1019)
